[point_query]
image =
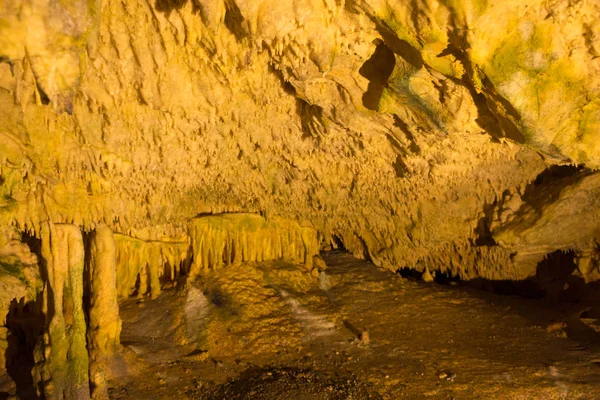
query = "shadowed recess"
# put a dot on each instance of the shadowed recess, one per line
(377, 70)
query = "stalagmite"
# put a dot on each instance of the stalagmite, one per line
(219, 240)
(61, 357)
(104, 323)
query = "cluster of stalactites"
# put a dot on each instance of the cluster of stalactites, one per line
(141, 264)
(219, 240)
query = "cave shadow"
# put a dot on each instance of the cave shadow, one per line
(553, 274)
(167, 6)
(377, 69)
(233, 18)
(553, 282)
(25, 323)
(312, 120)
(87, 276)
(554, 295)
(496, 115)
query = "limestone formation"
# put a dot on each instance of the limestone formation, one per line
(104, 327)
(235, 238)
(555, 214)
(145, 262)
(62, 360)
(389, 125)
(452, 137)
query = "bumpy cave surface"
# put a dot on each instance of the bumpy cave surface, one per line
(308, 199)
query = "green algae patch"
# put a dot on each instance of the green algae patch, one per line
(545, 87)
(13, 268)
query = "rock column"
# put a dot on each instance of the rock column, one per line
(61, 357)
(104, 323)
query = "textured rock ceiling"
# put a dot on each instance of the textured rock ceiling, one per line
(411, 131)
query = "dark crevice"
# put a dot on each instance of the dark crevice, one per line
(554, 281)
(167, 6)
(403, 126)
(499, 121)
(234, 21)
(551, 278)
(445, 278)
(337, 243)
(524, 288)
(35, 247)
(25, 323)
(549, 184)
(400, 167)
(285, 85)
(557, 172)
(43, 96)
(410, 273)
(365, 249)
(87, 277)
(400, 47)
(311, 119)
(497, 115)
(483, 230)
(377, 70)
(554, 273)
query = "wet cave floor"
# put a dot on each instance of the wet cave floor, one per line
(279, 331)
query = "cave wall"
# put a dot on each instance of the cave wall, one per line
(393, 126)
(436, 135)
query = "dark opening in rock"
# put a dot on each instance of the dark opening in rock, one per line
(377, 70)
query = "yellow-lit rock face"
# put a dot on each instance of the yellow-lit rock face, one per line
(227, 239)
(392, 126)
(147, 261)
(61, 356)
(144, 140)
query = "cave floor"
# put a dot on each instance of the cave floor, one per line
(278, 331)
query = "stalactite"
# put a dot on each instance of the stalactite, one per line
(145, 262)
(219, 240)
(104, 323)
(61, 357)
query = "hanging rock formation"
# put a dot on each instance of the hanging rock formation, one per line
(144, 262)
(225, 239)
(389, 125)
(552, 214)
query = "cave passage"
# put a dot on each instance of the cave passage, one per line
(273, 330)
(250, 308)
(359, 199)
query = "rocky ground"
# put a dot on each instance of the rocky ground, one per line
(352, 332)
